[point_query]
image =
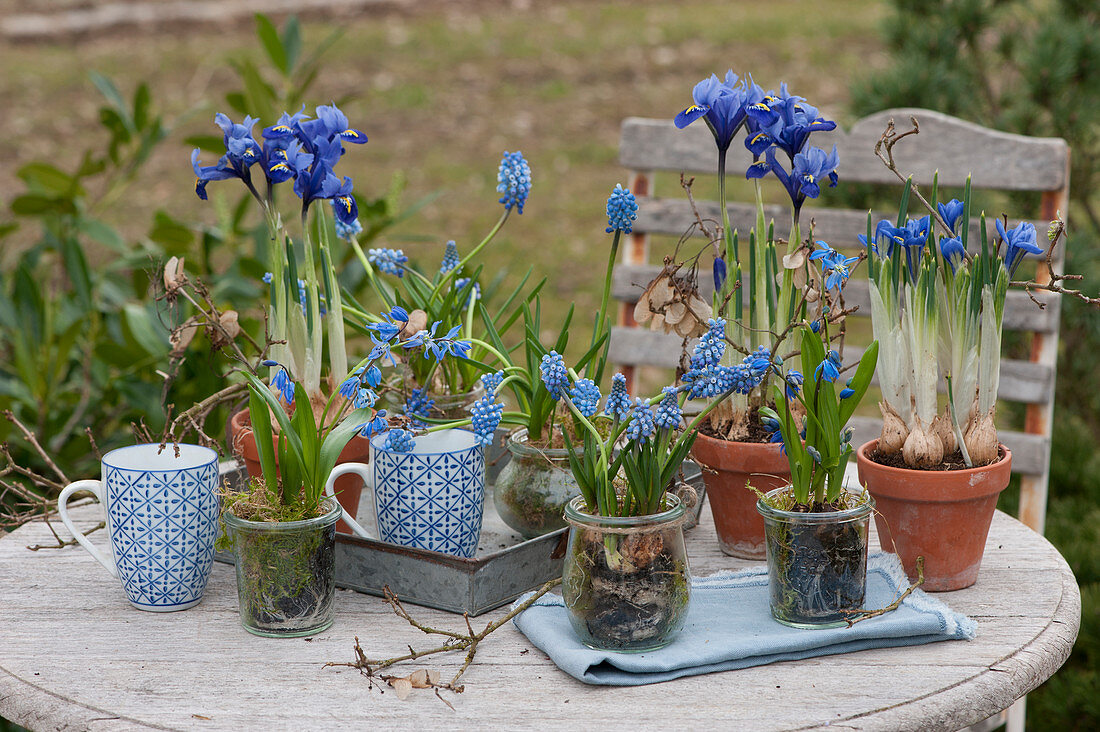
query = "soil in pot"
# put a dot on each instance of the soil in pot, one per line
(817, 561)
(348, 487)
(626, 592)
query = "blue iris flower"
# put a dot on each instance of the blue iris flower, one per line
(622, 209)
(1019, 242)
(810, 167)
(207, 173)
(951, 212)
(953, 251)
(330, 125)
(725, 106)
(287, 127)
(795, 121)
(514, 181)
(283, 163)
(241, 148)
(885, 232)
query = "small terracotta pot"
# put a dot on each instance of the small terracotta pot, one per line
(941, 515)
(728, 467)
(348, 487)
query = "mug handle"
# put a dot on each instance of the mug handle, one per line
(363, 471)
(96, 487)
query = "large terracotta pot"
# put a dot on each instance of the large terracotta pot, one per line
(728, 467)
(941, 515)
(348, 487)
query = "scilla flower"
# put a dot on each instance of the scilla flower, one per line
(376, 425)
(283, 383)
(554, 374)
(829, 369)
(514, 181)
(622, 210)
(390, 261)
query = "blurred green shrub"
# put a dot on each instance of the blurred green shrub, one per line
(1031, 67)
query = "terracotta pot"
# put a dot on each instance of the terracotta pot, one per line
(941, 515)
(348, 487)
(728, 467)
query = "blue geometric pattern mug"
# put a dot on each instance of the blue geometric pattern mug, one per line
(162, 520)
(430, 498)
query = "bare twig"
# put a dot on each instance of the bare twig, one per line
(456, 641)
(854, 618)
(29, 437)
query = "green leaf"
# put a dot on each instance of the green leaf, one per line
(8, 228)
(35, 204)
(292, 42)
(209, 143)
(109, 91)
(45, 178)
(145, 329)
(261, 430)
(860, 382)
(293, 443)
(104, 234)
(173, 235)
(269, 37)
(142, 103)
(76, 266)
(239, 105)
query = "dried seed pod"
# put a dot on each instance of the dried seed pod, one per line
(675, 312)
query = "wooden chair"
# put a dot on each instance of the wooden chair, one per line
(995, 160)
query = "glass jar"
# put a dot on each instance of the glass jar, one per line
(817, 562)
(286, 572)
(533, 487)
(626, 581)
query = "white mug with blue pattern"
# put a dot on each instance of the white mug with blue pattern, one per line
(431, 497)
(162, 508)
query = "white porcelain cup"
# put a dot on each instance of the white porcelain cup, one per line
(162, 509)
(432, 497)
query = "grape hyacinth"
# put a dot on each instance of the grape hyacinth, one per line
(417, 407)
(347, 232)
(398, 440)
(486, 415)
(450, 258)
(514, 181)
(622, 210)
(708, 351)
(642, 425)
(554, 374)
(492, 382)
(390, 261)
(586, 396)
(618, 401)
(668, 415)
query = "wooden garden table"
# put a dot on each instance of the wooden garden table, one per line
(75, 655)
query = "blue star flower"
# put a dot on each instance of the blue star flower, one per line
(828, 369)
(514, 181)
(622, 210)
(1019, 242)
(376, 425)
(282, 382)
(793, 380)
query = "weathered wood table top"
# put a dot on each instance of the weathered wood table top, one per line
(75, 655)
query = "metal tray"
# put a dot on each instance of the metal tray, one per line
(504, 567)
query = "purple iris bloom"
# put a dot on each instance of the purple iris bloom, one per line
(884, 232)
(241, 148)
(329, 125)
(953, 251)
(810, 167)
(1019, 242)
(725, 106)
(790, 131)
(283, 163)
(206, 173)
(950, 212)
(319, 182)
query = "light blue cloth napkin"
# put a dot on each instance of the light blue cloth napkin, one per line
(729, 626)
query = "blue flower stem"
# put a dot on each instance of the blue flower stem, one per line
(598, 331)
(473, 253)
